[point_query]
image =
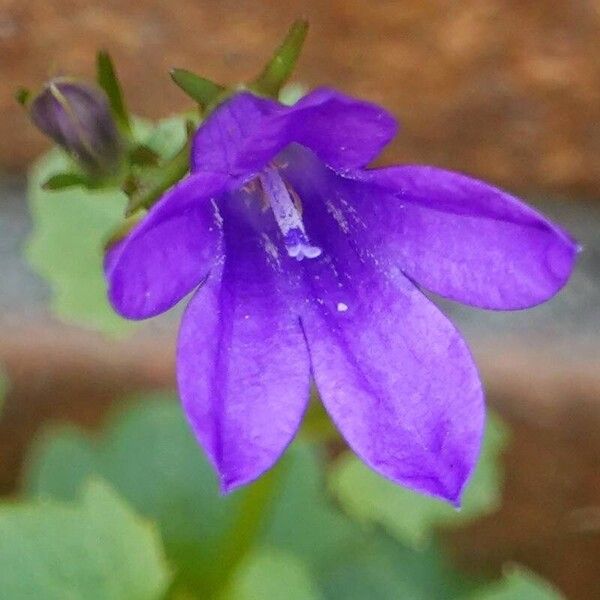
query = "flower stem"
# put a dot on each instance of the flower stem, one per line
(246, 529)
(159, 181)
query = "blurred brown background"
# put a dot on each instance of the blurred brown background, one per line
(508, 90)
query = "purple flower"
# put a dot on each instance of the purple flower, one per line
(308, 265)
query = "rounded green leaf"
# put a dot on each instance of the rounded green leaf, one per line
(97, 549)
(303, 521)
(382, 569)
(149, 455)
(519, 584)
(272, 574)
(70, 227)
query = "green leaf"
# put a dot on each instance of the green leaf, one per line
(279, 69)
(70, 227)
(411, 517)
(166, 137)
(518, 584)
(316, 424)
(347, 560)
(242, 535)
(382, 569)
(149, 455)
(95, 549)
(109, 82)
(62, 459)
(303, 521)
(203, 91)
(272, 574)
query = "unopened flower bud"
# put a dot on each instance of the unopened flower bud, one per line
(77, 116)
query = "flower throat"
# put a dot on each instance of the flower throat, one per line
(287, 215)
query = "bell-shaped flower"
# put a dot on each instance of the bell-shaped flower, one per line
(307, 265)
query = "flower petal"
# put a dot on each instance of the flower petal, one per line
(396, 377)
(222, 142)
(456, 236)
(467, 240)
(343, 132)
(170, 252)
(246, 132)
(399, 383)
(242, 365)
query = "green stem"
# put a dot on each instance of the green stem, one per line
(147, 189)
(159, 182)
(246, 529)
(279, 69)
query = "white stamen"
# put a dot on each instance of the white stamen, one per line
(287, 216)
(300, 251)
(342, 307)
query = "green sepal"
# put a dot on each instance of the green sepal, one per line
(23, 96)
(279, 69)
(200, 89)
(64, 180)
(108, 81)
(143, 156)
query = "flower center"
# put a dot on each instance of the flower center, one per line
(288, 215)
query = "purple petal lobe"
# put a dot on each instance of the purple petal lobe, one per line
(222, 143)
(399, 383)
(396, 377)
(246, 132)
(464, 239)
(243, 367)
(343, 132)
(170, 252)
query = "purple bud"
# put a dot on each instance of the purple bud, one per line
(77, 116)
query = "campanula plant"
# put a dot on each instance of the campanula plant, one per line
(308, 265)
